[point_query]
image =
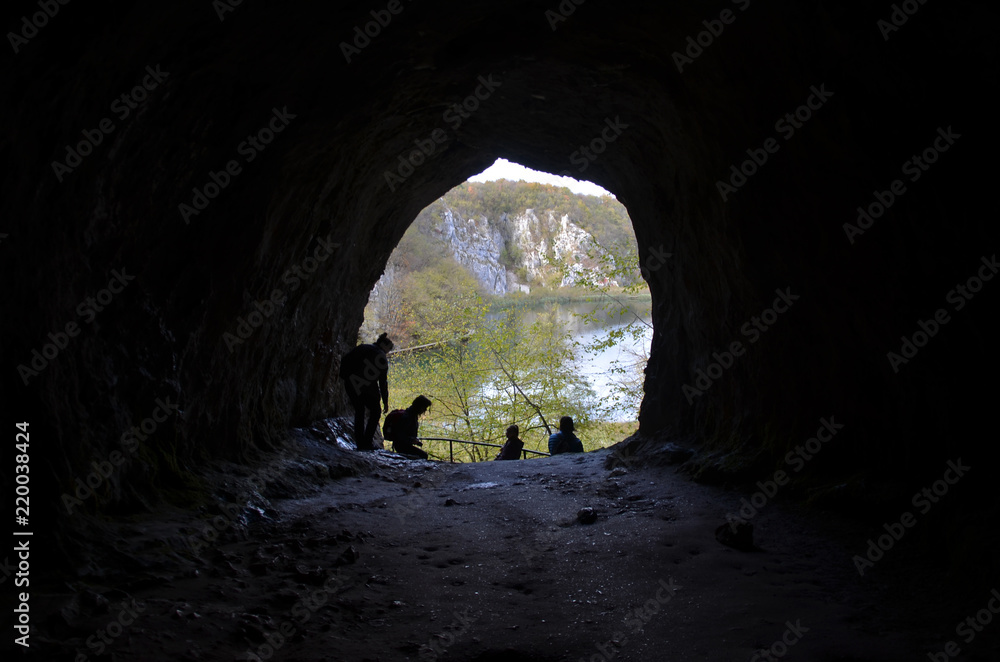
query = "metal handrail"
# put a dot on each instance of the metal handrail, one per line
(451, 446)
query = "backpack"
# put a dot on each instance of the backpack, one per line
(391, 421)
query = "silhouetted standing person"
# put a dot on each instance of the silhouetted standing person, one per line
(512, 449)
(565, 441)
(365, 371)
(404, 433)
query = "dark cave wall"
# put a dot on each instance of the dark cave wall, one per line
(323, 177)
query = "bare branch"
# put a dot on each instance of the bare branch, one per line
(538, 411)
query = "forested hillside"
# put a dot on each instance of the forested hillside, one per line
(603, 217)
(497, 239)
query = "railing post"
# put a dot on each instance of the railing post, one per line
(451, 451)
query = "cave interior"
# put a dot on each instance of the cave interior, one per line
(188, 157)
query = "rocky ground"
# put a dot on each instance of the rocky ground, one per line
(341, 556)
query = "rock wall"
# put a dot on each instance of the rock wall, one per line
(546, 245)
(300, 159)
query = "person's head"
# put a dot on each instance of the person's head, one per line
(566, 424)
(384, 343)
(513, 431)
(420, 405)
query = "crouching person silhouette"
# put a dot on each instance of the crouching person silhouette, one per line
(364, 371)
(565, 441)
(401, 428)
(512, 449)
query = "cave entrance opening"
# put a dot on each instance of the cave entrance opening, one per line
(516, 298)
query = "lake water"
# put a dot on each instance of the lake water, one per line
(596, 367)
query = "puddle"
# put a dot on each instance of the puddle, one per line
(480, 486)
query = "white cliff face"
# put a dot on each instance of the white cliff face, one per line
(570, 241)
(543, 242)
(476, 246)
(531, 239)
(541, 245)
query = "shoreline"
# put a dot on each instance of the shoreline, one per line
(511, 301)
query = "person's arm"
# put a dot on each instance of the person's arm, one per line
(383, 387)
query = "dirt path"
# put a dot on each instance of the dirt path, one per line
(488, 561)
(647, 580)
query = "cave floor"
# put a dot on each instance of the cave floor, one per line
(425, 560)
